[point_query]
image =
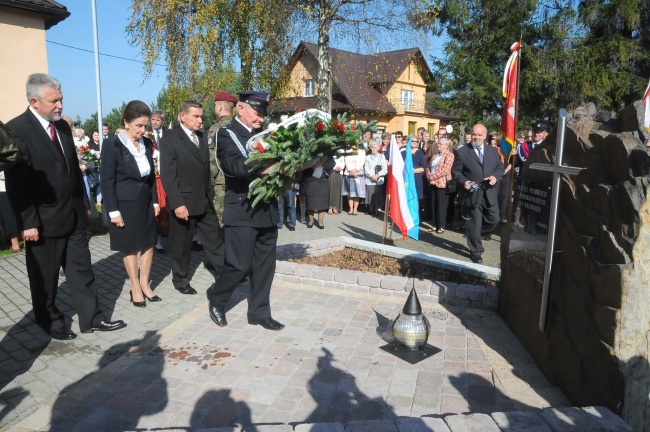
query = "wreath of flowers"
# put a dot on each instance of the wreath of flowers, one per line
(296, 147)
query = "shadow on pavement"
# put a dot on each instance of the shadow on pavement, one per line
(118, 403)
(339, 398)
(216, 409)
(483, 396)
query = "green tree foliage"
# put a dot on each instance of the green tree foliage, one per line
(201, 39)
(573, 52)
(113, 119)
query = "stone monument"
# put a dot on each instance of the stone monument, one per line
(596, 344)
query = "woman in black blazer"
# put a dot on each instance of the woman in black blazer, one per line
(131, 199)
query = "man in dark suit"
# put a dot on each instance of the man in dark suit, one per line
(477, 168)
(251, 234)
(185, 173)
(47, 193)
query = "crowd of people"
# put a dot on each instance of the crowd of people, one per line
(192, 185)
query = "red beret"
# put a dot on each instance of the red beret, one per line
(225, 96)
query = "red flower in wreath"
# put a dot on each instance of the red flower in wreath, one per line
(335, 124)
(320, 127)
(353, 127)
(341, 127)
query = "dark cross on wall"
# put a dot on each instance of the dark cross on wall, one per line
(557, 169)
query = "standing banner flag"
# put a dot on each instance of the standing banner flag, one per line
(412, 193)
(399, 210)
(646, 101)
(508, 118)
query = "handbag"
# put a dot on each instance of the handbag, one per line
(451, 187)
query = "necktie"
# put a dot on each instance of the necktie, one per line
(158, 136)
(195, 140)
(55, 139)
(480, 154)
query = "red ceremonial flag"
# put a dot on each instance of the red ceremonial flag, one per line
(399, 208)
(508, 118)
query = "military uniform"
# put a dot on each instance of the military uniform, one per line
(216, 175)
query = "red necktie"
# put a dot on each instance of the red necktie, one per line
(55, 139)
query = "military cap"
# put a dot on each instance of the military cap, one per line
(540, 127)
(258, 100)
(225, 96)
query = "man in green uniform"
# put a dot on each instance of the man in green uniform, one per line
(224, 106)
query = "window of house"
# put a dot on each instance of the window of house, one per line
(412, 128)
(431, 127)
(309, 88)
(407, 98)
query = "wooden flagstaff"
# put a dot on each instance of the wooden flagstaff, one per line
(514, 162)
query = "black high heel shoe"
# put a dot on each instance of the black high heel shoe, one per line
(153, 299)
(137, 304)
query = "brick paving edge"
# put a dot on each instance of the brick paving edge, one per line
(450, 293)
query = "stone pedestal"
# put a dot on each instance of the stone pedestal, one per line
(596, 345)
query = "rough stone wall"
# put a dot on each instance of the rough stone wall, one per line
(596, 345)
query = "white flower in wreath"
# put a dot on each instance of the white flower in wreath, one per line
(301, 122)
(272, 127)
(284, 118)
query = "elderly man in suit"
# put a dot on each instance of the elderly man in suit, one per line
(478, 168)
(185, 173)
(47, 193)
(251, 233)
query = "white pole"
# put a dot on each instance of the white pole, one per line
(97, 78)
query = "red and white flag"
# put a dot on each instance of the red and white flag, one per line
(399, 207)
(646, 100)
(170, 127)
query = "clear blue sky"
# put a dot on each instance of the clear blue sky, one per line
(121, 80)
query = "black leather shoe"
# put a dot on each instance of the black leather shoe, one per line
(488, 237)
(218, 316)
(153, 299)
(106, 326)
(268, 323)
(186, 290)
(292, 228)
(476, 259)
(138, 304)
(197, 247)
(62, 333)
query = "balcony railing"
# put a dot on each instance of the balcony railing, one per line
(415, 105)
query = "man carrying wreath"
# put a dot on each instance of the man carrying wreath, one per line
(250, 233)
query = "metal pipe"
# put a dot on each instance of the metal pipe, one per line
(97, 75)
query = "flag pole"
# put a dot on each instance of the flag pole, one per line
(386, 211)
(514, 162)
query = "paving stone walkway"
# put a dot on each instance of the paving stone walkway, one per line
(328, 365)
(173, 369)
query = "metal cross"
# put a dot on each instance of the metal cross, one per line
(557, 169)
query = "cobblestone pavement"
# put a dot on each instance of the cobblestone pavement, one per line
(35, 369)
(327, 365)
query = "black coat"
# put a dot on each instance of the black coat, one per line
(467, 166)
(45, 190)
(121, 179)
(185, 171)
(237, 208)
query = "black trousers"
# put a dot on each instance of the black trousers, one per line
(181, 233)
(482, 221)
(249, 251)
(44, 259)
(439, 202)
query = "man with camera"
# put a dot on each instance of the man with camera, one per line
(478, 167)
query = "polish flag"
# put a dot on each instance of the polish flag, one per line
(170, 127)
(399, 207)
